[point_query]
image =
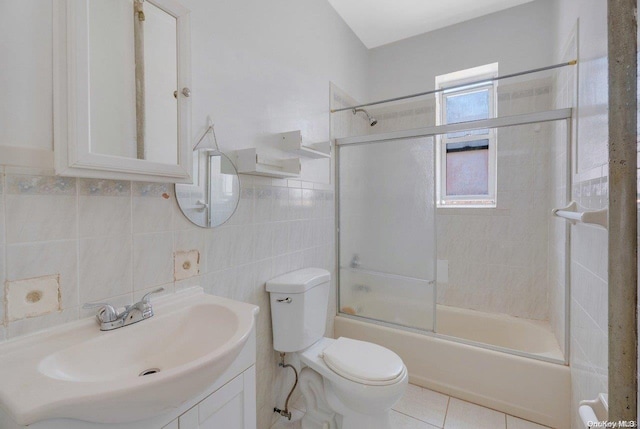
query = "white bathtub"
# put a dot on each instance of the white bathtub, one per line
(501, 331)
(529, 388)
(409, 303)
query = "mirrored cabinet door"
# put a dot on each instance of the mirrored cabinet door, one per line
(122, 93)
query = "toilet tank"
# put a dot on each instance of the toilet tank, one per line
(299, 302)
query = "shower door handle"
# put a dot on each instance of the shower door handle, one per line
(286, 300)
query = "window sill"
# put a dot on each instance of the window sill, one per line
(469, 205)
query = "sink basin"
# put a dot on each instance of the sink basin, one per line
(133, 373)
(187, 336)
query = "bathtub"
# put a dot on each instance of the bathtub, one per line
(409, 302)
(501, 332)
(532, 389)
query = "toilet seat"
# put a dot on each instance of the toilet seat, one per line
(363, 362)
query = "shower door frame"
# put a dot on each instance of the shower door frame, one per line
(565, 114)
(433, 282)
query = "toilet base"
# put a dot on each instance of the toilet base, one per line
(318, 415)
(321, 415)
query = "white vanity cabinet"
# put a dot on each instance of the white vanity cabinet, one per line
(232, 406)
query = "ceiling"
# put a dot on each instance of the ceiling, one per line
(378, 22)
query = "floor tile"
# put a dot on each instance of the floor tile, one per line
(465, 415)
(516, 423)
(423, 404)
(401, 421)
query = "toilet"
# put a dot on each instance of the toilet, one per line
(345, 383)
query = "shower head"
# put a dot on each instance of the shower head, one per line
(372, 120)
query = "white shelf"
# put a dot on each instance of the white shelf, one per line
(250, 161)
(292, 142)
(574, 215)
(593, 411)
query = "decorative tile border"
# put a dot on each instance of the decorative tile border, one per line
(149, 189)
(264, 193)
(104, 188)
(40, 185)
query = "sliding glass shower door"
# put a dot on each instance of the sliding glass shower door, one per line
(387, 243)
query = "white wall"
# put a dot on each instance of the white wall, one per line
(519, 39)
(264, 67)
(26, 74)
(258, 68)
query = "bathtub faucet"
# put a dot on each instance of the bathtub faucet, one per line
(362, 288)
(355, 261)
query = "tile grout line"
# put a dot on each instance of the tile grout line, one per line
(411, 417)
(446, 412)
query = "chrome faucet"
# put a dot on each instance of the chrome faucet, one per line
(108, 317)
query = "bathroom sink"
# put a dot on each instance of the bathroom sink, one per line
(128, 374)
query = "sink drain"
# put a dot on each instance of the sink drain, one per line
(149, 372)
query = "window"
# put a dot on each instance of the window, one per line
(466, 160)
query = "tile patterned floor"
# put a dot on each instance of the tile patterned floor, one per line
(425, 409)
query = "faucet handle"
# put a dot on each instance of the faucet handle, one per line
(145, 299)
(106, 314)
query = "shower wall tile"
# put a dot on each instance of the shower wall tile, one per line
(588, 254)
(498, 258)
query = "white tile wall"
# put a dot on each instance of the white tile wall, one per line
(498, 257)
(115, 240)
(589, 303)
(588, 257)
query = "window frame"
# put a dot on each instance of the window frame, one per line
(454, 79)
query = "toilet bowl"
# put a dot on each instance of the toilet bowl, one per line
(360, 396)
(346, 383)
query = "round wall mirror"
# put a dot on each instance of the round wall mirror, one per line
(214, 195)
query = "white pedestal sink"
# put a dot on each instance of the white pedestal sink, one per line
(78, 372)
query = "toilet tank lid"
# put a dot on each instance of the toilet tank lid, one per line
(298, 281)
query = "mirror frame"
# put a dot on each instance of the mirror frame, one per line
(72, 133)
